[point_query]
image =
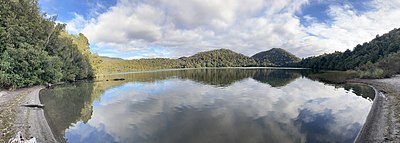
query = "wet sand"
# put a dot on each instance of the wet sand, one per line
(29, 120)
(382, 124)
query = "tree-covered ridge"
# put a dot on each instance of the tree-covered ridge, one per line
(218, 58)
(275, 57)
(373, 51)
(368, 57)
(36, 50)
(213, 58)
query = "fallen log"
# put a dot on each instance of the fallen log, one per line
(34, 105)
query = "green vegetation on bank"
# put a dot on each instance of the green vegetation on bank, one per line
(36, 50)
(113, 65)
(378, 58)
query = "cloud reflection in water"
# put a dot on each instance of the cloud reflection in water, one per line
(180, 110)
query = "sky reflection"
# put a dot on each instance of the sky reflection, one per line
(180, 110)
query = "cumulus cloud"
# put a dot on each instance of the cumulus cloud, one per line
(75, 25)
(190, 26)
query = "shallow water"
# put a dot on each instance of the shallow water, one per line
(207, 105)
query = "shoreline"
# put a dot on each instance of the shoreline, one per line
(382, 123)
(372, 116)
(30, 121)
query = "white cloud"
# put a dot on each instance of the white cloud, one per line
(190, 26)
(350, 28)
(76, 25)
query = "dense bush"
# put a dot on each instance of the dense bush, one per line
(386, 67)
(376, 59)
(36, 50)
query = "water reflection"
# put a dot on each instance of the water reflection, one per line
(216, 77)
(191, 106)
(68, 104)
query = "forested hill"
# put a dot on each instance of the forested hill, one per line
(275, 57)
(377, 58)
(214, 58)
(36, 50)
(218, 58)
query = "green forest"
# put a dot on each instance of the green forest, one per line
(378, 58)
(275, 57)
(218, 58)
(36, 50)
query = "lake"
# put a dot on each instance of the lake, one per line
(232, 105)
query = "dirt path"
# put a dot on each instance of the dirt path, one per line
(383, 122)
(14, 117)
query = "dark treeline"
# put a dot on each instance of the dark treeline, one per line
(376, 59)
(36, 50)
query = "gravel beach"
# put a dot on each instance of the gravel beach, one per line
(29, 120)
(382, 124)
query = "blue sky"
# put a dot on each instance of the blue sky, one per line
(134, 29)
(66, 9)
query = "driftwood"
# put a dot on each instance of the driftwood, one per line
(118, 79)
(34, 105)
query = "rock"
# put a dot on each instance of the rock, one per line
(20, 139)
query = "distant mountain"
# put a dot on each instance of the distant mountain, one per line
(218, 58)
(275, 57)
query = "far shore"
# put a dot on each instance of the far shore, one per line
(382, 123)
(177, 69)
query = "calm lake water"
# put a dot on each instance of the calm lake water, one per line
(208, 106)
